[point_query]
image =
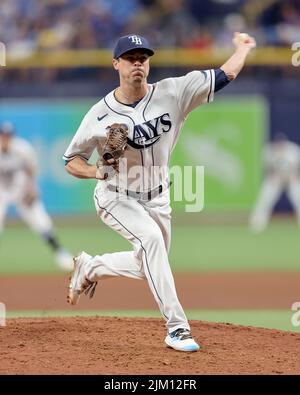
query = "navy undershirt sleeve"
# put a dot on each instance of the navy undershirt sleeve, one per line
(221, 79)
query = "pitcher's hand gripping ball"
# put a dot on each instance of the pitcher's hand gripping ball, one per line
(112, 150)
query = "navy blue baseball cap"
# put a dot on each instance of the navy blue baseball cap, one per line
(7, 128)
(132, 41)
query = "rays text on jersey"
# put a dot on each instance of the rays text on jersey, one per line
(149, 132)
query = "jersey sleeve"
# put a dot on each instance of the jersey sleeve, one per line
(82, 144)
(221, 79)
(194, 89)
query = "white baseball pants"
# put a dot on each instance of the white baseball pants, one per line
(270, 192)
(147, 226)
(35, 215)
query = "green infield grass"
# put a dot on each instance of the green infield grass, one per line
(194, 248)
(272, 319)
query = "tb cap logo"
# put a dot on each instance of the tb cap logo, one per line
(135, 40)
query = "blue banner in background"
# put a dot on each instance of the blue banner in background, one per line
(49, 126)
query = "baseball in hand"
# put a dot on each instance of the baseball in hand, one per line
(243, 37)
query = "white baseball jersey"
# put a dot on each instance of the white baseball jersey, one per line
(14, 181)
(283, 160)
(153, 127)
(13, 165)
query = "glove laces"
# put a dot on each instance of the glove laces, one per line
(116, 137)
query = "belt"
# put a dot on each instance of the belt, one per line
(148, 195)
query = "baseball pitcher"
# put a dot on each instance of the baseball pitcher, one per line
(18, 167)
(135, 128)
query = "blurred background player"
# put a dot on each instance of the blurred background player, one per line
(282, 173)
(18, 187)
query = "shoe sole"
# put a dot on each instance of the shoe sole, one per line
(191, 348)
(73, 296)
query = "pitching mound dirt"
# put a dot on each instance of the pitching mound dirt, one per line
(103, 345)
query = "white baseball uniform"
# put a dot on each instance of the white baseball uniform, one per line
(14, 181)
(282, 165)
(154, 126)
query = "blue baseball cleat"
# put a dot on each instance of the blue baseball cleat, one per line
(181, 340)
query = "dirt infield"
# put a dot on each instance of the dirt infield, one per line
(135, 346)
(274, 290)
